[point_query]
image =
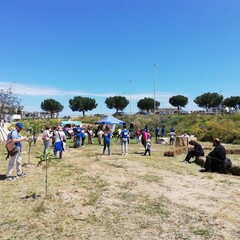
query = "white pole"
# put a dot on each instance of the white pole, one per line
(130, 97)
(155, 75)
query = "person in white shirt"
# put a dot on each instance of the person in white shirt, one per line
(46, 140)
(60, 138)
(17, 157)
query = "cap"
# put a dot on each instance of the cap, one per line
(20, 125)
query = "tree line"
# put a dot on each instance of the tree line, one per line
(11, 104)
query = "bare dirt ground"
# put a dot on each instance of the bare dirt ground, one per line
(91, 196)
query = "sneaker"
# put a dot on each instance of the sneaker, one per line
(10, 178)
(21, 175)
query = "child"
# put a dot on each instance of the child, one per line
(148, 147)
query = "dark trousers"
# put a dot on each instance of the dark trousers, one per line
(191, 154)
(144, 143)
(213, 164)
(106, 145)
(149, 152)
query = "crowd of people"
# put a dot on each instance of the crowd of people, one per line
(215, 160)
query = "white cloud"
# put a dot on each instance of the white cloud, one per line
(37, 91)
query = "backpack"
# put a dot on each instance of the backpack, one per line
(227, 163)
(11, 147)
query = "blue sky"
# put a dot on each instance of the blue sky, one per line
(101, 48)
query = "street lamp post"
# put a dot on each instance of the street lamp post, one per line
(130, 96)
(155, 75)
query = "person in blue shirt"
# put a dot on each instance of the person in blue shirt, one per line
(107, 140)
(124, 138)
(163, 131)
(83, 136)
(78, 135)
(17, 158)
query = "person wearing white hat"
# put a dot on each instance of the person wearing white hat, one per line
(59, 142)
(17, 158)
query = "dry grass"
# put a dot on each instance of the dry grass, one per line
(91, 196)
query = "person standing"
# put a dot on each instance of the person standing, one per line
(148, 147)
(17, 158)
(46, 140)
(172, 137)
(172, 129)
(124, 138)
(157, 133)
(163, 131)
(99, 135)
(90, 134)
(78, 134)
(53, 136)
(107, 134)
(83, 136)
(119, 130)
(58, 145)
(138, 135)
(145, 136)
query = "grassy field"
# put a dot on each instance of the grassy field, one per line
(91, 196)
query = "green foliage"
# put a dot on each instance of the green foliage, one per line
(9, 103)
(49, 156)
(205, 127)
(208, 100)
(232, 101)
(52, 106)
(147, 104)
(178, 101)
(117, 102)
(38, 124)
(82, 104)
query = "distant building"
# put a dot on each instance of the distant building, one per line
(166, 111)
(38, 115)
(14, 118)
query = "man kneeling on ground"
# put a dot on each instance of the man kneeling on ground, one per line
(195, 152)
(215, 158)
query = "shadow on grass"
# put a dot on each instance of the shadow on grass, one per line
(2, 177)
